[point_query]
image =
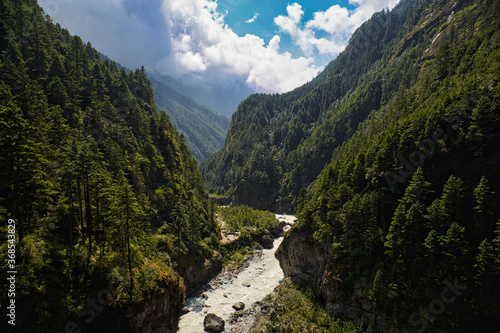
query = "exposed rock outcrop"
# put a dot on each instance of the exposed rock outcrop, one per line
(161, 311)
(196, 271)
(310, 263)
(302, 259)
(239, 306)
(278, 230)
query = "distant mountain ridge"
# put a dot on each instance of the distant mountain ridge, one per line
(219, 95)
(204, 129)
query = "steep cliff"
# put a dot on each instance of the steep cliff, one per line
(197, 270)
(161, 311)
(310, 263)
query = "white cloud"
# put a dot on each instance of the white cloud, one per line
(125, 30)
(334, 20)
(252, 20)
(291, 24)
(202, 41)
(274, 44)
(305, 38)
(191, 37)
(337, 22)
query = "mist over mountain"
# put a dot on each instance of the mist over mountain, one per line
(222, 97)
(222, 51)
(204, 130)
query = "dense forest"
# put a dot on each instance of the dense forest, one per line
(403, 129)
(410, 204)
(101, 186)
(203, 129)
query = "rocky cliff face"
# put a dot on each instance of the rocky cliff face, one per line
(302, 259)
(196, 271)
(160, 313)
(311, 264)
(253, 195)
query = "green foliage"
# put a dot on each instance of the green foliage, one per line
(89, 170)
(240, 218)
(436, 213)
(283, 142)
(250, 225)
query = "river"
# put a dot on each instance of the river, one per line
(251, 285)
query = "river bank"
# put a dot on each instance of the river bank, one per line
(250, 284)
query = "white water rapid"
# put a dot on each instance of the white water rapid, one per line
(249, 286)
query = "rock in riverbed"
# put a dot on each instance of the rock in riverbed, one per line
(213, 323)
(239, 306)
(267, 242)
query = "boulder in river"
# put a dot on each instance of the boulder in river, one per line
(267, 242)
(239, 306)
(278, 231)
(185, 310)
(213, 323)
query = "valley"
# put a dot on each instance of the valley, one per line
(386, 164)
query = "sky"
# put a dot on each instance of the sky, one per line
(268, 45)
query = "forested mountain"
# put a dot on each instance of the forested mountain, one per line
(203, 129)
(278, 144)
(104, 194)
(402, 226)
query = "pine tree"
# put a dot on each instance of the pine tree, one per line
(483, 209)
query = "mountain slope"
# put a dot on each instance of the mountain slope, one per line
(276, 144)
(204, 130)
(103, 192)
